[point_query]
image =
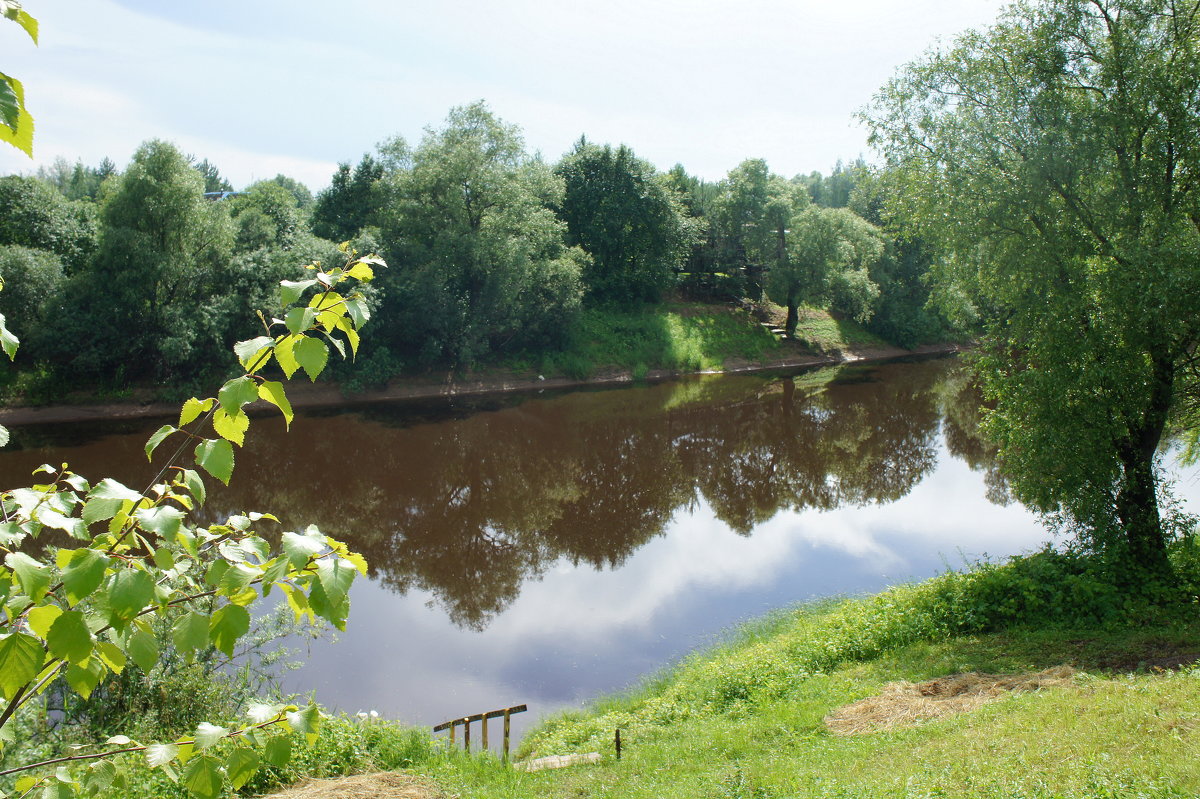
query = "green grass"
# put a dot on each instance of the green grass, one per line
(818, 330)
(672, 337)
(746, 719)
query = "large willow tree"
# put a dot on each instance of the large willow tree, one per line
(1055, 157)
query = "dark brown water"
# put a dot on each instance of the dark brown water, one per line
(545, 549)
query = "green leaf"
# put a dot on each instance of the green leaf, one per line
(195, 485)
(274, 394)
(278, 751)
(336, 576)
(84, 679)
(69, 638)
(112, 656)
(7, 339)
(160, 754)
(83, 573)
(290, 290)
(4, 436)
(58, 790)
(22, 18)
(143, 648)
(228, 625)
(231, 428)
(163, 521)
(300, 548)
(312, 356)
(42, 618)
(129, 591)
(34, 577)
(99, 775)
(190, 632)
(10, 106)
(241, 765)
(305, 721)
(236, 579)
(236, 393)
(360, 271)
(250, 352)
(208, 734)
(215, 456)
(193, 408)
(285, 354)
(333, 610)
(109, 488)
(159, 436)
(358, 311)
(299, 320)
(21, 658)
(21, 137)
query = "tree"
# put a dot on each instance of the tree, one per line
(33, 214)
(479, 262)
(620, 212)
(163, 256)
(828, 253)
(80, 612)
(1054, 156)
(753, 211)
(214, 183)
(350, 202)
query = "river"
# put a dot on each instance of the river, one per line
(544, 549)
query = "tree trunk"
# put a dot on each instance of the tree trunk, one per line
(1137, 496)
(793, 318)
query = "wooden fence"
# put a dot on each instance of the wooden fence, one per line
(465, 721)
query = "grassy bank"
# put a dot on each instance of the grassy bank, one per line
(689, 337)
(749, 718)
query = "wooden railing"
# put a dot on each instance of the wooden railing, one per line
(465, 721)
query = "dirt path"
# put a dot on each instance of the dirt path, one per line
(305, 395)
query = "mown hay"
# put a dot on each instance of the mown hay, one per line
(905, 704)
(384, 785)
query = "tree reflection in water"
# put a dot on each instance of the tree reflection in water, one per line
(470, 502)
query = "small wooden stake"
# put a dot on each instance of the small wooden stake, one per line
(618, 742)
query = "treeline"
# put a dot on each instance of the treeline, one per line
(150, 273)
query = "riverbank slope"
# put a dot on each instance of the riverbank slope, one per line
(1029, 679)
(614, 349)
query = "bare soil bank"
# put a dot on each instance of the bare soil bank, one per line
(449, 384)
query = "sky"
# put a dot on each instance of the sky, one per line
(260, 87)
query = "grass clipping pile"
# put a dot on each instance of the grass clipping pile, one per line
(384, 785)
(905, 704)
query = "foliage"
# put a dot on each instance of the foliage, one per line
(77, 181)
(16, 124)
(31, 279)
(1053, 157)
(32, 214)
(829, 251)
(351, 201)
(753, 211)
(620, 212)
(479, 260)
(163, 257)
(84, 610)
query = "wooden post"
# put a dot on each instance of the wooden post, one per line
(466, 735)
(485, 741)
(453, 724)
(506, 732)
(618, 741)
